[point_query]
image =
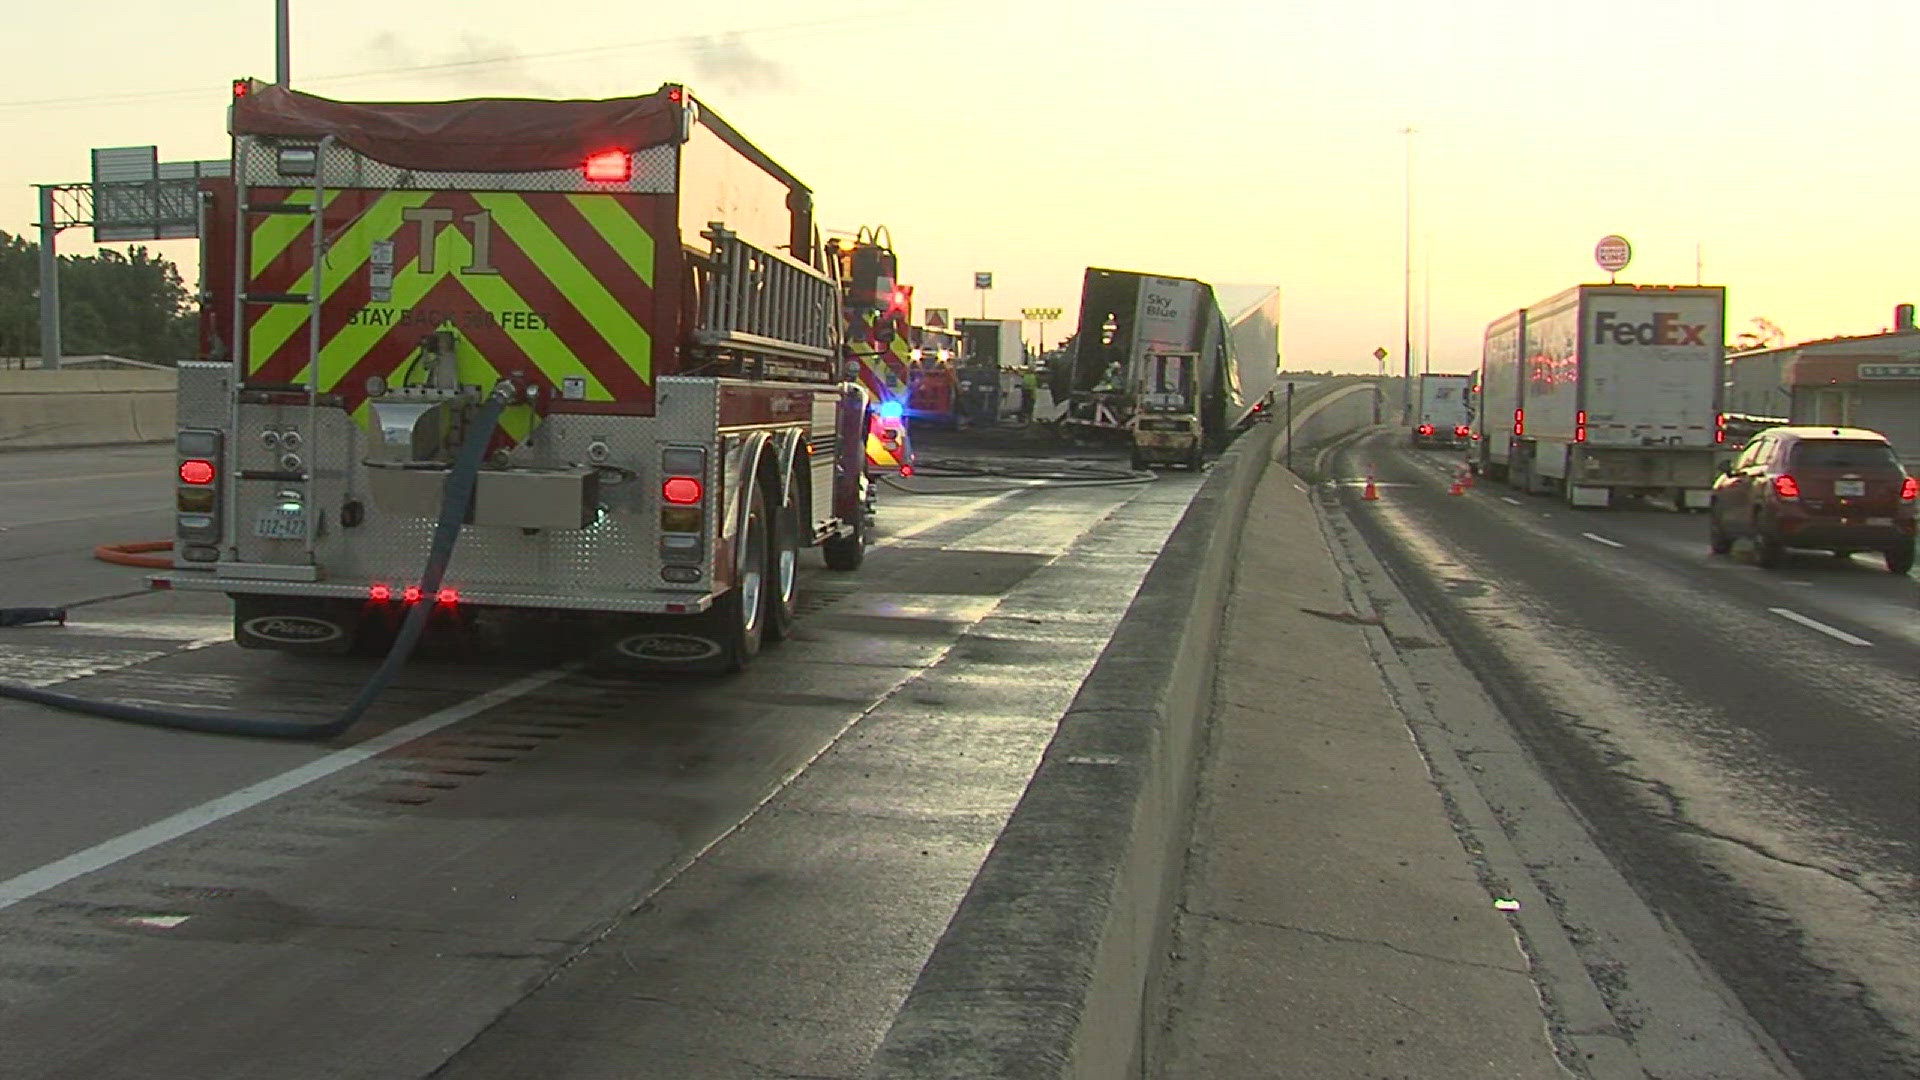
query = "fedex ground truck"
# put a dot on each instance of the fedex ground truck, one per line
(1619, 394)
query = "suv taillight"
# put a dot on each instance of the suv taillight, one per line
(1786, 487)
(1910, 489)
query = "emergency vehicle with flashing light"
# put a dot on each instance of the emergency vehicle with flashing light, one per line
(650, 282)
(877, 310)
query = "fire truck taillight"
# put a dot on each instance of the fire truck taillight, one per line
(1580, 426)
(609, 167)
(681, 490)
(197, 522)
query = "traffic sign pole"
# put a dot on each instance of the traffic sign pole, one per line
(1613, 253)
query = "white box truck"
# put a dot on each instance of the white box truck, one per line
(1443, 410)
(1620, 394)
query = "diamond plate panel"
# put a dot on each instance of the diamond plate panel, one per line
(256, 162)
(613, 564)
(203, 394)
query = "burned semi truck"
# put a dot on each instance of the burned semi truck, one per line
(1127, 316)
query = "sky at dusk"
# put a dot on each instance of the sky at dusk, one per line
(1767, 146)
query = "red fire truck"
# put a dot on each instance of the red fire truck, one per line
(645, 285)
(877, 312)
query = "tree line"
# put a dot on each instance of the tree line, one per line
(132, 304)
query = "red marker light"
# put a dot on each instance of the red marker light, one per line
(411, 595)
(196, 471)
(449, 597)
(241, 88)
(906, 470)
(681, 490)
(1786, 487)
(676, 94)
(379, 594)
(610, 167)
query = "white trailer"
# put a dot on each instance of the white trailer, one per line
(1443, 410)
(1497, 415)
(1621, 394)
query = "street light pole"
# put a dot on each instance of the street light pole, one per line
(282, 50)
(1406, 293)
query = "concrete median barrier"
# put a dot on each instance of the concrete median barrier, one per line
(1339, 411)
(1047, 966)
(52, 409)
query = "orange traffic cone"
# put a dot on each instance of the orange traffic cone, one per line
(1456, 489)
(1368, 493)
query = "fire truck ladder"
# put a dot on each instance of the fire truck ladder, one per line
(754, 301)
(242, 243)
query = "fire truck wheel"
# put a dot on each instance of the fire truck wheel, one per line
(783, 568)
(846, 552)
(742, 612)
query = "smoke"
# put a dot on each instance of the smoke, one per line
(473, 62)
(730, 63)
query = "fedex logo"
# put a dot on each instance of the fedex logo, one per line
(1665, 328)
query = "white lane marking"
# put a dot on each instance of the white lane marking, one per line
(938, 520)
(127, 845)
(1510, 499)
(1603, 540)
(1816, 624)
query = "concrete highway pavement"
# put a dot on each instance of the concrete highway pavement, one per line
(598, 876)
(1744, 744)
(516, 865)
(55, 505)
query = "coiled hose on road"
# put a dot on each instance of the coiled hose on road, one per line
(1063, 475)
(446, 533)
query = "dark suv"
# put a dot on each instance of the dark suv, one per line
(1841, 489)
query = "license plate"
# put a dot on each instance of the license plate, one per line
(1880, 521)
(281, 525)
(1849, 487)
